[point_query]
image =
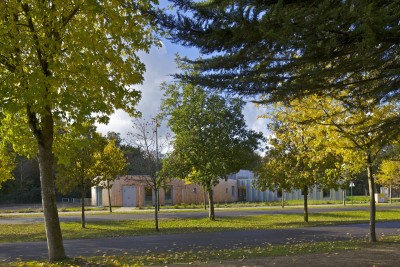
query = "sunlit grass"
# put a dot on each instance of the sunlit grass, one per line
(73, 230)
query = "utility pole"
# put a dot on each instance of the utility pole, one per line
(157, 206)
(158, 189)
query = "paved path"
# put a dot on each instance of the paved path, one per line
(187, 242)
(171, 214)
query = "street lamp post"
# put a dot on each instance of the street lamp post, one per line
(351, 191)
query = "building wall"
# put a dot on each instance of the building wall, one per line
(225, 191)
(256, 195)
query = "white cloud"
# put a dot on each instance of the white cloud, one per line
(160, 65)
(251, 114)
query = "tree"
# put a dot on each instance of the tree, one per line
(24, 186)
(109, 163)
(211, 139)
(353, 133)
(297, 157)
(258, 47)
(115, 136)
(69, 61)
(76, 163)
(7, 164)
(389, 175)
(271, 173)
(137, 164)
(145, 137)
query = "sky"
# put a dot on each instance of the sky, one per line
(160, 65)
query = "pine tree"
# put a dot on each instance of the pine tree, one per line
(289, 49)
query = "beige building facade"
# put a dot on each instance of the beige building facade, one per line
(136, 191)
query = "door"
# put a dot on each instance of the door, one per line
(128, 196)
(242, 196)
(99, 194)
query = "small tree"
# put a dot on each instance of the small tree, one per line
(353, 133)
(7, 163)
(389, 175)
(297, 158)
(76, 163)
(271, 173)
(145, 137)
(211, 139)
(109, 163)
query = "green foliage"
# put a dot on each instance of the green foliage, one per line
(299, 155)
(7, 163)
(389, 173)
(76, 159)
(289, 49)
(76, 57)
(109, 163)
(66, 63)
(211, 139)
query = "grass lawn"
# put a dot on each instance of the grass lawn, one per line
(73, 230)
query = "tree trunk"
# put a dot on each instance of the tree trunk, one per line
(156, 209)
(390, 194)
(305, 192)
(83, 204)
(211, 213)
(158, 199)
(205, 198)
(372, 211)
(45, 157)
(283, 198)
(109, 195)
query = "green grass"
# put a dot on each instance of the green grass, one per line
(204, 256)
(73, 230)
(358, 199)
(290, 203)
(61, 209)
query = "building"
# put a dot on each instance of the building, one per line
(136, 191)
(247, 192)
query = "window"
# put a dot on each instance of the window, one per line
(148, 196)
(242, 196)
(226, 190)
(233, 191)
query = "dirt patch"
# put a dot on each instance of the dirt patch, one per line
(373, 256)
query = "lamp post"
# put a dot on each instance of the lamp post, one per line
(351, 191)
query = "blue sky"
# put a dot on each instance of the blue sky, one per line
(160, 65)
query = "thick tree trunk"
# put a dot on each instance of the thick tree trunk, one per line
(45, 157)
(372, 211)
(211, 213)
(83, 204)
(305, 192)
(283, 198)
(156, 209)
(109, 195)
